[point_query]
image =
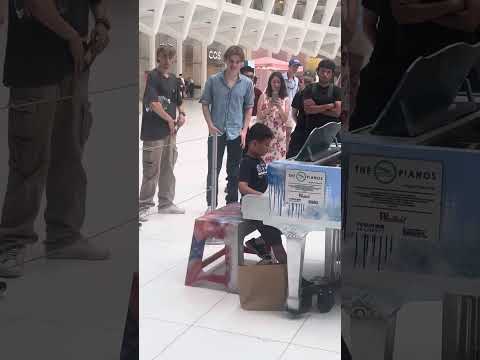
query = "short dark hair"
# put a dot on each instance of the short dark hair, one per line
(246, 69)
(326, 64)
(259, 132)
(283, 86)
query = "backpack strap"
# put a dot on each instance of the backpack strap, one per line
(330, 91)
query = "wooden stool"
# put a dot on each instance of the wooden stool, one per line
(225, 224)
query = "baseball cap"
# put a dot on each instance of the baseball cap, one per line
(294, 62)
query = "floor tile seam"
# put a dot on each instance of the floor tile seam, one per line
(188, 328)
(281, 356)
(163, 273)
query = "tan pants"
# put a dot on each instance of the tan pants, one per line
(46, 141)
(159, 158)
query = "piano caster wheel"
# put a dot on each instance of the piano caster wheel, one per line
(3, 288)
(296, 307)
(293, 313)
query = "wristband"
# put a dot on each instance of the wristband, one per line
(104, 22)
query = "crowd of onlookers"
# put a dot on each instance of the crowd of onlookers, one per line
(291, 107)
(252, 126)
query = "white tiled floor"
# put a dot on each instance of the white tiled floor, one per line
(179, 322)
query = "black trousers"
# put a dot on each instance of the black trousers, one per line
(271, 235)
(234, 155)
(377, 84)
(297, 140)
(345, 352)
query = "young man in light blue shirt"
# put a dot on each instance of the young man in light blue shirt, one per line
(228, 100)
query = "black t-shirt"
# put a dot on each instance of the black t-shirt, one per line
(321, 95)
(254, 173)
(387, 28)
(36, 56)
(166, 91)
(77, 13)
(297, 104)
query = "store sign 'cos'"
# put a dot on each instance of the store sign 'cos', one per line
(215, 55)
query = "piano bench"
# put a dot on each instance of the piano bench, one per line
(225, 224)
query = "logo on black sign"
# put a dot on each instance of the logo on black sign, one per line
(385, 172)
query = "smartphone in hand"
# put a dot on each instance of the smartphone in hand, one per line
(274, 97)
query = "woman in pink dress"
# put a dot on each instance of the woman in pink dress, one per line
(273, 111)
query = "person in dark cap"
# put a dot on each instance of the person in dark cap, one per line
(291, 78)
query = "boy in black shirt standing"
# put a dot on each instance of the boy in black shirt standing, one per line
(322, 101)
(253, 180)
(315, 106)
(160, 124)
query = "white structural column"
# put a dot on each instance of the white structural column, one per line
(188, 17)
(267, 8)
(157, 15)
(153, 51)
(246, 6)
(248, 53)
(204, 61)
(307, 19)
(197, 64)
(288, 13)
(179, 56)
(216, 21)
(326, 19)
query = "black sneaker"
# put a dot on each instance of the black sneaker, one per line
(306, 283)
(12, 259)
(257, 245)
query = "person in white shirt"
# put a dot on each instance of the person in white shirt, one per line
(291, 79)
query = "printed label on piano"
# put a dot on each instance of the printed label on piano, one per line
(394, 196)
(305, 187)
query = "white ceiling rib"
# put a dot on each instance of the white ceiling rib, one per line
(211, 20)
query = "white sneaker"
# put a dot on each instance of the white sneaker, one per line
(171, 209)
(143, 215)
(214, 241)
(81, 249)
(209, 210)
